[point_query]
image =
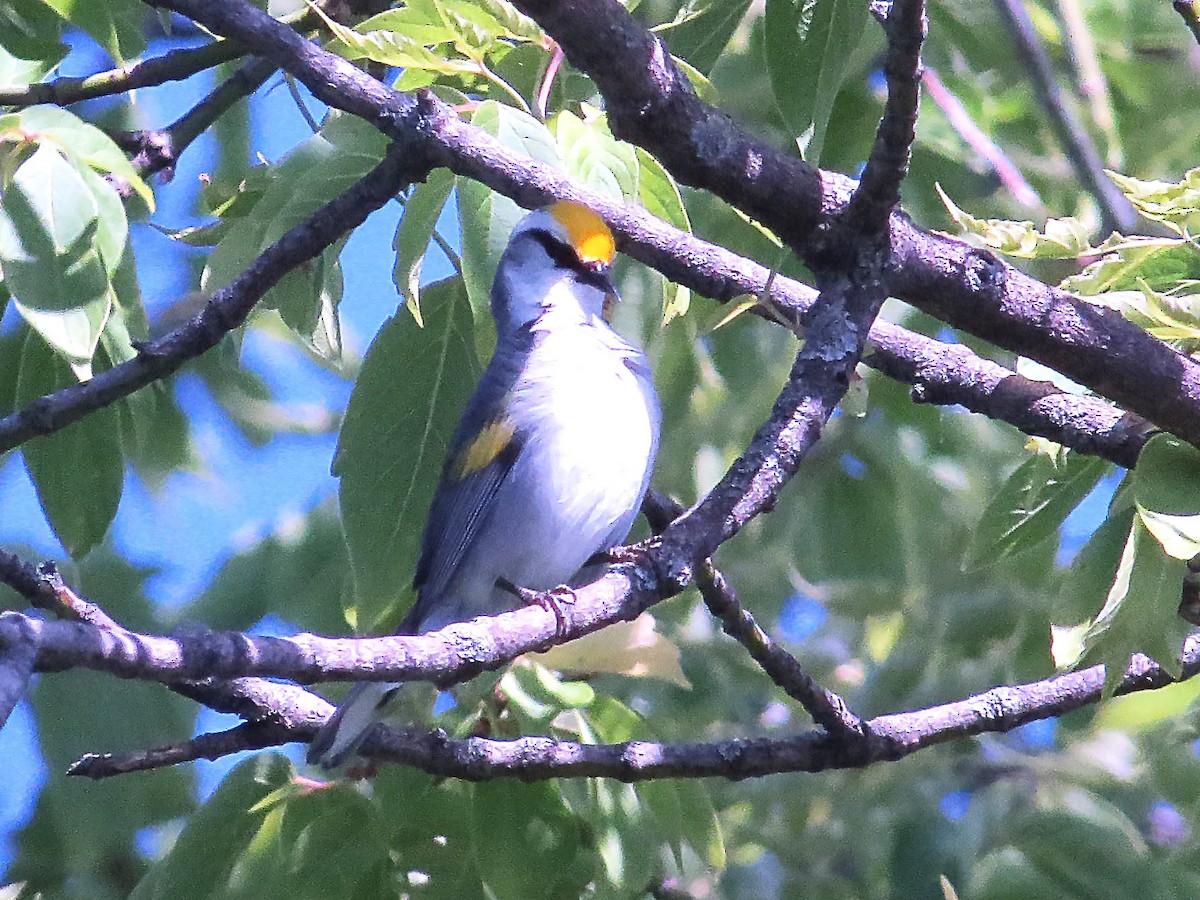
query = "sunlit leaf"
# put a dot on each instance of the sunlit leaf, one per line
(414, 233)
(1061, 238)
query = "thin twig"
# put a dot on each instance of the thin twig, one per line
(247, 736)
(543, 93)
(44, 587)
(826, 708)
(175, 65)
(1089, 76)
(301, 106)
(159, 150)
(1117, 212)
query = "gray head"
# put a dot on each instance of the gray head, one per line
(557, 261)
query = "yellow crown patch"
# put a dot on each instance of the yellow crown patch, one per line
(586, 231)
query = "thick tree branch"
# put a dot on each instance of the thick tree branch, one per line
(940, 372)
(651, 103)
(891, 737)
(226, 310)
(1117, 212)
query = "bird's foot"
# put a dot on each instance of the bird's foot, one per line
(552, 601)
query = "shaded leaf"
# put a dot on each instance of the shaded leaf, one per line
(807, 45)
(116, 25)
(528, 823)
(78, 471)
(48, 255)
(406, 403)
(636, 649)
(1032, 505)
(1166, 486)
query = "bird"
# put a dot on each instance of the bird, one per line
(551, 457)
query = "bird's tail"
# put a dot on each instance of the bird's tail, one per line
(342, 734)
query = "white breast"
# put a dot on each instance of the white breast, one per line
(589, 406)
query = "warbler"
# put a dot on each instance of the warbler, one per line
(551, 457)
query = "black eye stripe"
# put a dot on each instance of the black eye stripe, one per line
(594, 274)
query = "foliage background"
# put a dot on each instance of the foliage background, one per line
(230, 518)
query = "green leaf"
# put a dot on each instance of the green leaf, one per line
(594, 158)
(31, 39)
(1062, 238)
(487, 218)
(703, 29)
(1031, 506)
(527, 843)
(204, 858)
(83, 143)
(1166, 486)
(1088, 849)
(83, 829)
(807, 44)
(314, 317)
(78, 471)
(48, 254)
(1126, 264)
(419, 22)
(116, 25)
(659, 194)
(300, 568)
(433, 835)
(392, 48)
(314, 173)
(1174, 203)
(414, 233)
(1140, 611)
(405, 406)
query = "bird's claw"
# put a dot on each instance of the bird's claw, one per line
(552, 601)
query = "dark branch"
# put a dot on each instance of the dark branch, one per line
(175, 65)
(878, 190)
(225, 311)
(1118, 212)
(248, 736)
(159, 150)
(718, 273)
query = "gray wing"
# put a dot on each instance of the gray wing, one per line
(485, 447)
